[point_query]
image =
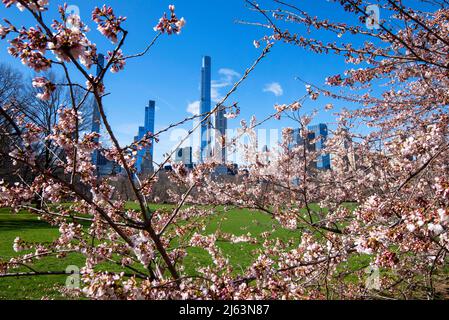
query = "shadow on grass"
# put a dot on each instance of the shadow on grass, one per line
(21, 224)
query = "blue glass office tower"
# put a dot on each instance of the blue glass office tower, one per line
(145, 156)
(150, 112)
(205, 107)
(321, 131)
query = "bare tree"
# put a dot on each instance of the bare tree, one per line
(11, 93)
(18, 98)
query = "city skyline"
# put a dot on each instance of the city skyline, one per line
(273, 82)
(213, 138)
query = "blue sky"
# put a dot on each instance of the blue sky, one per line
(170, 73)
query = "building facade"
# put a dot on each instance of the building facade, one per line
(205, 107)
(104, 167)
(221, 125)
(144, 161)
(317, 134)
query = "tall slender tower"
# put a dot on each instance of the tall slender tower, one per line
(150, 112)
(221, 125)
(145, 156)
(205, 107)
(96, 117)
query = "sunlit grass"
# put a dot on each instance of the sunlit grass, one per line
(29, 228)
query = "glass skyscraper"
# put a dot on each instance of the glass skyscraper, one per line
(205, 107)
(145, 156)
(221, 125)
(150, 112)
(321, 132)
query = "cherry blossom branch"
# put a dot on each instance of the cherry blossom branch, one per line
(402, 10)
(423, 167)
(146, 49)
(176, 211)
(78, 193)
(58, 273)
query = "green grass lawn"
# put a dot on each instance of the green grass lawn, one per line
(240, 255)
(29, 228)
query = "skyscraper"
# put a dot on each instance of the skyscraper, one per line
(205, 107)
(145, 156)
(150, 112)
(319, 131)
(221, 125)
